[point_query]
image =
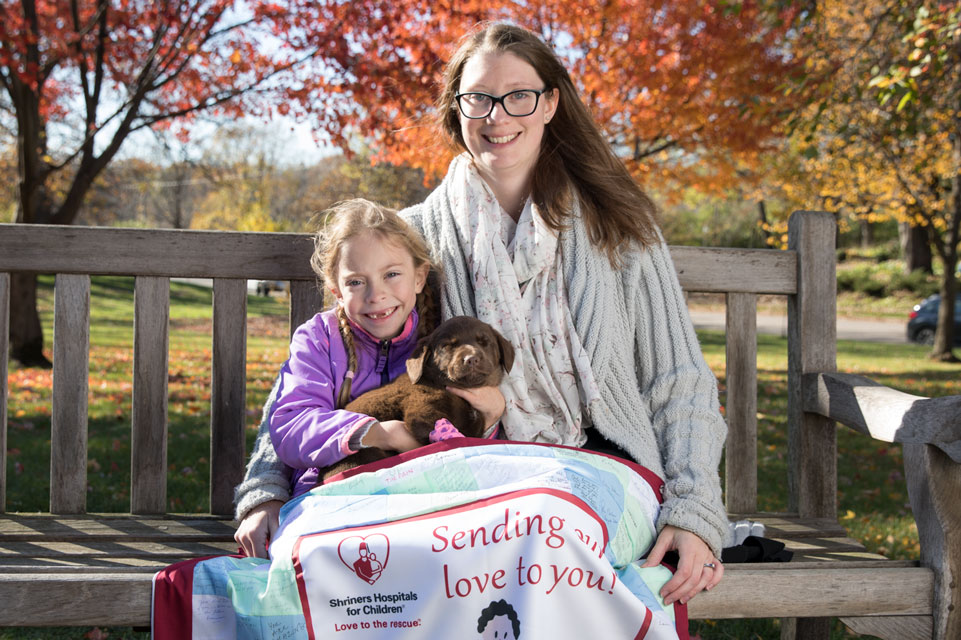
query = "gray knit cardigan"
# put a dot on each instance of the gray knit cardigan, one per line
(658, 396)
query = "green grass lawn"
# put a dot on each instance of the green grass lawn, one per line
(871, 491)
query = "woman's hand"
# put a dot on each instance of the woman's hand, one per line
(692, 575)
(257, 528)
(390, 435)
(489, 401)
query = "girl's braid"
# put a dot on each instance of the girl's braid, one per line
(348, 337)
(426, 310)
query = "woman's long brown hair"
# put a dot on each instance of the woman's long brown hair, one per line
(575, 160)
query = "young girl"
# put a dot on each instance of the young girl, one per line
(376, 266)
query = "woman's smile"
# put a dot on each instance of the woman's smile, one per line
(501, 139)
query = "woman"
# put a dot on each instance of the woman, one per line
(543, 233)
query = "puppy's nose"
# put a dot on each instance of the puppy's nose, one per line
(470, 360)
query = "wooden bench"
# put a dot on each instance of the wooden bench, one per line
(68, 567)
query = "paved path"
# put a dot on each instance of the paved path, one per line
(889, 331)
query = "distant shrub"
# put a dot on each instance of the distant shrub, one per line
(886, 252)
(879, 280)
(862, 279)
(917, 282)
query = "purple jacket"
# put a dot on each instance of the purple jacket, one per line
(306, 427)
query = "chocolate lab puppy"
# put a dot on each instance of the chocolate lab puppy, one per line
(462, 352)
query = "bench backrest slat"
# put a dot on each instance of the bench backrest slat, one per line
(4, 350)
(228, 392)
(155, 252)
(305, 300)
(148, 442)
(719, 270)
(68, 422)
(740, 458)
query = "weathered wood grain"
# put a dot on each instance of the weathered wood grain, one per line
(747, 591)
(285, 256)
(148, 440)
(885, 413)
(892, 627)
(16, 527)
(68, 422)
(741, 407)
(934, 485)
(305, 301)
(803, 593)
(812, 331)
(228, 393)
(735, 270)
(100, 565)
(155, 252)
(41, 600)
(4, 356)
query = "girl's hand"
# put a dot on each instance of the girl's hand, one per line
(390, 435)
(692, 576)
(489, 401)
(257, 528)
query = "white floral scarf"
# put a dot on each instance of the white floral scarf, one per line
(519, 290)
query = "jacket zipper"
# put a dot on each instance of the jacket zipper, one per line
(382, 353)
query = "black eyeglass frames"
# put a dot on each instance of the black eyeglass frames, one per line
(476, 105)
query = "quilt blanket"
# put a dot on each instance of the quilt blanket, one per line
(460, 539)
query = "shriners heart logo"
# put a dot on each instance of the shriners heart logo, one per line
(366, 556)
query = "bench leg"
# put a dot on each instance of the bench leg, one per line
(934, 482)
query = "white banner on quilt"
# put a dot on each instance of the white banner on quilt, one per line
(530, 561)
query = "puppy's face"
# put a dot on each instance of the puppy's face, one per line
(462, 352)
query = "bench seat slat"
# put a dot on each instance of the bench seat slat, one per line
(113, 550)
(20, 527)
(798, 593)
(747, 591)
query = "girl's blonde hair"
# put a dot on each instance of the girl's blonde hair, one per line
(347, 220)
(575, 161)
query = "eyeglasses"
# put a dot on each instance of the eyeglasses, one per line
(520, 103)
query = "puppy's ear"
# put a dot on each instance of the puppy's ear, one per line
(507, 351)
(415, 364)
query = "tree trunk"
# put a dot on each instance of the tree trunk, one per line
(916, 248)
(944, 336)
(763, 224)
(948, 250)
(867, 234)
(26, 333)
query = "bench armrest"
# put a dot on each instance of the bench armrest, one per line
(885, 413)
(930, 431)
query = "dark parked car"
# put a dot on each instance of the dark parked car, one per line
(924, 320)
